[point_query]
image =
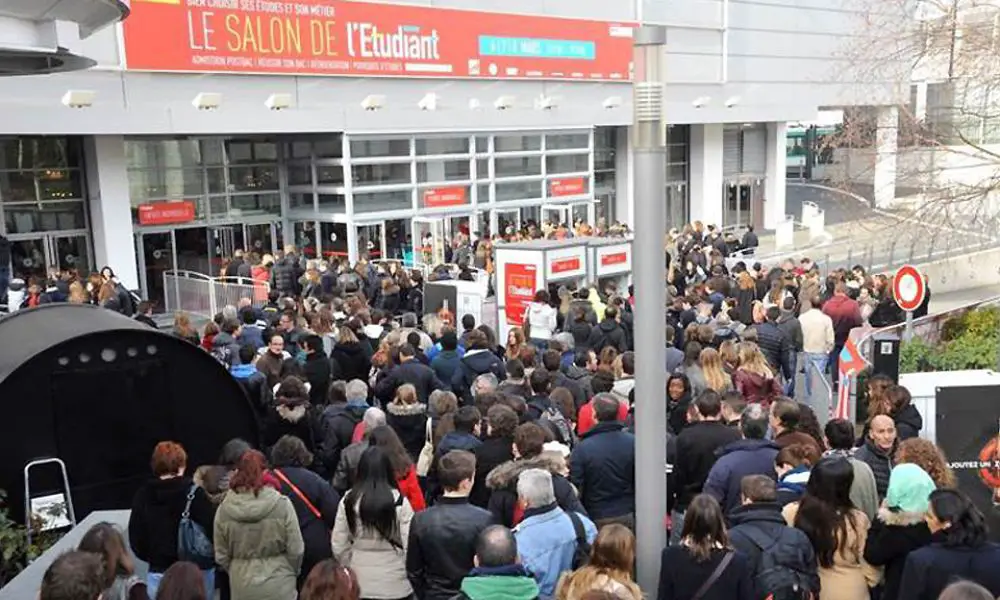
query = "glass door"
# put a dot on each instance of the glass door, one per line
(555, 214)
(156, 253)
(508, 221)
(226, 240)
(371, 240)
(69, 253)
(192, 246)
(581, 213)
(41, 256)
(28, 259)
(397, 240)
(428, 241)
(261, 239)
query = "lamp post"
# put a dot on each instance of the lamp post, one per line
(650, 301)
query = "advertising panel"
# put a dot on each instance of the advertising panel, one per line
(573, 186)
(166, 213)
(519, 284)
(566, 263)
(447, 196)
(613, 259)
(366, 39)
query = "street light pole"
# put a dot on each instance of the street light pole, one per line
(650, 266)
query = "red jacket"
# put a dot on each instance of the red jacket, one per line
(585, 419)
(409, 486)
(845, 314)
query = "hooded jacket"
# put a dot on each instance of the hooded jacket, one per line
(472, 365)
(409, 421)
(511, 582)
(791, 547)
(580, 330)
(417, 374)
(291, 419)
(845, 314)
(285, 276)
(792, 485)
(581, 377)
(353, 361)
(737, 460)
(908, 423)
(930, 569)
(891, 538)
(379, 564)
(502, 481)
(755, 388)
(541, 319)
(258, 541)
(223, 344)
(608, 333)
(156, 513)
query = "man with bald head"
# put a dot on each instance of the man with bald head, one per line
(878, 451)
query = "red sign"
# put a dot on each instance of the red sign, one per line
(908, 288)
(362, 39)
(568, 187)
(449, 196)
(564, 265)
(614, 258)
(519, 286)
(165, 213)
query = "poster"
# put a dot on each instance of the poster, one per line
(968, 432)
(519, 285)
(362, 39)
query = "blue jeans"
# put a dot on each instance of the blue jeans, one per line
(790, 382)
(540, 345)
(820, 360)
(153, 583)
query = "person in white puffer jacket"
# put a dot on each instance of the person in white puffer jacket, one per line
(541, 320)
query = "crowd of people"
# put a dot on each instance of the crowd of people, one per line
(408, 457)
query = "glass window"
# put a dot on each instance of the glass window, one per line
(441, 170)
(218, 207)
(256, 204)
(330, 147)
(212, 153)
(216, 179)
(517, 167)
(332, 175)
(51, 216)
(59, 185)
(605, 148)
(604, 182)
(299, 174)
(17, 186)
(300, 201)
(389, 173)
(519, 190)
(678, 134)
(565, 141)
(482, 168)
(483, 191)
(332, 203)
(334, 238)
(431, 146)
(298, 149)
(304, 237)
(677, 172)
(377, 148)
(162, 154)
(379, 201)
(251, 151)
(517, 143)
(569, 163)
(677, 153)
(167, 183)
(252, 179)
(25, 153)
(482, 144)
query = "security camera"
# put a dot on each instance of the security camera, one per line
(504, 102)
(428, 102)
(278, 101)
(373, 102)
(207, 101)
(732, 101)
(613, 102)
(79, 98)
(701, 101)
(546, 103)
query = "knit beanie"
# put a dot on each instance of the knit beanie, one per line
(909, 489)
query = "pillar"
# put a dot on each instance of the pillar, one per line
(624, 178)
(110, 207)
(884, 179)
(706, 173)
(774, 183)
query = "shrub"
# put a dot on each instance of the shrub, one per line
(15, 552)
(968, 341)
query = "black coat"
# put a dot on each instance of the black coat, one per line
(607, 333)
(697, 446)
(300, 421)
(353, 360)
(285, 276)
(880, 462)
(315, 531)
(413, 372)
(931, 568)
(409, 421)
(472, 365)
(559, 379)
(581, 332)
(317, 372)
(442, 545)
(908, 423)
(777, 348)
(156, 513)
(337, 423)
(791, 547)
(891, 538)
(502, 482)
(602, 467)
(681, 576)
(493, 452)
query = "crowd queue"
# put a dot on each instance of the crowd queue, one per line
(420, 457)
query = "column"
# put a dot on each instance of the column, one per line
(884, 179)
(110, 207)
(774, 183)
(624, 180)
(706, 173)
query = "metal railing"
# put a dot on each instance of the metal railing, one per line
(199, 294)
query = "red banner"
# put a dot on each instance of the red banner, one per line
(165, 213)
(519, 285)
(361, 39)
(616, 258)
(564, 265)
(449, 196)
(568, 187)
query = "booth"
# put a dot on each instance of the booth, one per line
(459, 297)
(526, 267)
(609, 264)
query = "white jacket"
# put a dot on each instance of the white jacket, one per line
(542, 321)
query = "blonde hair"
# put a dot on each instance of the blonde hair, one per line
(612, 559)
(406, 394)
(711, 367)
(752, 360)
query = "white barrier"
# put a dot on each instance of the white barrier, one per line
(198, 294)
(784, 233)
(814, 219)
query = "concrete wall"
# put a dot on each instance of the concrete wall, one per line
(917, 167)
(962, 272)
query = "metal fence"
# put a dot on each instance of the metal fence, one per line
(200, 295)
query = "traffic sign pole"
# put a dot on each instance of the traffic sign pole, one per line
(909, 290)
(908, 332)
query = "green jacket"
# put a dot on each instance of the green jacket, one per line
(258, 541)
(514, 584)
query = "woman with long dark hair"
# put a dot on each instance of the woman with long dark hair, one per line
(836, 529)
(373, 529)
(257, 536)
(959, 549)
(704, 566)
(679, 398)
(385, 437)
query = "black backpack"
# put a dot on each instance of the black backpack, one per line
(772, 579)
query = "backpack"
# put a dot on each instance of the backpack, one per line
(581, 553)
(773, 580)
(554, 420)
(223, 354)
(192, 543)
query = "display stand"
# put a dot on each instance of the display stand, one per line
(609, 264)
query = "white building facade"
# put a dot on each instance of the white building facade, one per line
(212, 125)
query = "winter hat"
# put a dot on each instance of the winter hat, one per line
(909, 489)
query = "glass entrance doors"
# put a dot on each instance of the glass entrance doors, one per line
(428, 241)
(156, 255)
(508, 221)
(225, 242)
(568, 214)
(743, 203)
(37, 256)
(371, 240)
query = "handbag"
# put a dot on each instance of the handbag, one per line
(426, 457)
(193, 544)
(312, 508)
(719, 570)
